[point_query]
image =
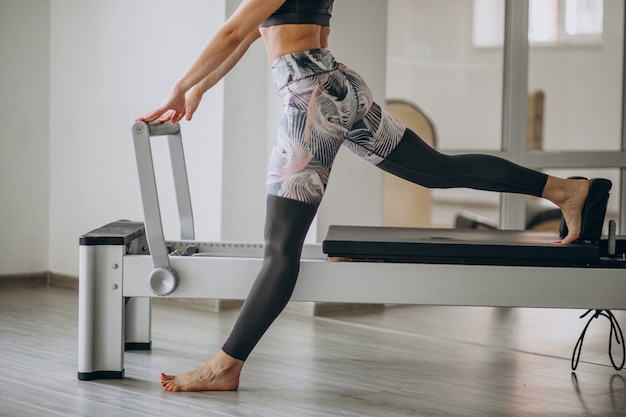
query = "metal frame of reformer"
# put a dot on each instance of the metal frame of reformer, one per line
(118, 277)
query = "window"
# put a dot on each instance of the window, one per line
(583, 17)
(550, 22)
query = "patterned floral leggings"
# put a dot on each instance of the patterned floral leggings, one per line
(326, 105)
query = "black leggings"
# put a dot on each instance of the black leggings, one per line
(415, 161)
(287, 222)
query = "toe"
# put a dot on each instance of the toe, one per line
(570, 238)
(167, 386)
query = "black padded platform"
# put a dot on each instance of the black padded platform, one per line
(461, 246)
(121, 232)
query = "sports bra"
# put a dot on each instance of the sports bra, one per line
(316, 12)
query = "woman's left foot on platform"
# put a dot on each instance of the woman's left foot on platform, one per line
(592, 213)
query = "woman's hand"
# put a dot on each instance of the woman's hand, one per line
(192, 102)
(173, 109)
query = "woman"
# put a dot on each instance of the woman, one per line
(327, 105)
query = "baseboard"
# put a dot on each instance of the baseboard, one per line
(213, 306)
(40, 278)
(63, 281)
(320, 309)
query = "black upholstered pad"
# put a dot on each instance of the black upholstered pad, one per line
(511, 247)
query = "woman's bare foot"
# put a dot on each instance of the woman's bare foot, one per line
(570, 196)
(221, 373)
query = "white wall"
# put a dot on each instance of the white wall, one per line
(245, 145)
(24, 31)
(112, 60)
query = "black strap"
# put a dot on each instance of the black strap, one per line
(616, 332)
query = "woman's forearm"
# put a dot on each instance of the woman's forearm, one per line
(215, 76)
(229, 38)
(219, 48)
(218, 57)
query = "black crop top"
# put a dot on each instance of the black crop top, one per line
(316, 12)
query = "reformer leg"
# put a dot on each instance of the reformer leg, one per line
(138, 326)
(101, 308)
(100, 312)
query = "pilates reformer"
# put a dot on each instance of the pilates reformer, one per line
(124, 264)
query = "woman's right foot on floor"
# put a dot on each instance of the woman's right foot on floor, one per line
(221, 373)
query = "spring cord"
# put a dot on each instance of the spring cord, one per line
(616, 332)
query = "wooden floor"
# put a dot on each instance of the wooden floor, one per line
(403, 361)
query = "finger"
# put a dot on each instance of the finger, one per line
(147, 117)
(176, 118)
(166, 116)
(151, 116)
(189, 112)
